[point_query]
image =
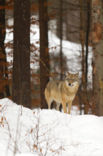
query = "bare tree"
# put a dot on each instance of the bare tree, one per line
(4, 88)
(82, 40)
(21, 55)
(44, 51)
(88, 10)
(61, 38)
(97, 40)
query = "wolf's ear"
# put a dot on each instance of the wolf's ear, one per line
(66, 75)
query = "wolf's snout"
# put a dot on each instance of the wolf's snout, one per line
(70, 84)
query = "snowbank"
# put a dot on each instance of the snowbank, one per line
(48, 132)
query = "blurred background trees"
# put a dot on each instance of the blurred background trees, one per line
(4, 88)
(77, 22)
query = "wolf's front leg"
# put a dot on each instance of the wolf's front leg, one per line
(64, 107)
(69, 106)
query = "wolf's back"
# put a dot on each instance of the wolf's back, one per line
(53, 87)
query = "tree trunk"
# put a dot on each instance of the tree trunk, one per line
(44, 51)
(21, 62)
(87, 37)
(61, 38)
(97, 40)
(82, 40)
(4, 86)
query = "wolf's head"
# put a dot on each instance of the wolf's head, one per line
(72, 80)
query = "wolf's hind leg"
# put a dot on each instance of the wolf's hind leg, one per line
(49, 101)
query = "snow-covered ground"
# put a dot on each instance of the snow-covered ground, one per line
(25, 132)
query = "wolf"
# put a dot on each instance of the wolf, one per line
(62, 91)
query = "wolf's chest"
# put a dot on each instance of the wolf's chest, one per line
(68, 97)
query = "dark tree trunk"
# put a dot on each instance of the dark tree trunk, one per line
(44, 51)
(97, 41)
(87, 36)
(61, 38)
(4, 88)
(21, 63)
(82, 39)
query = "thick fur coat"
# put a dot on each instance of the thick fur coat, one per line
(62, 92)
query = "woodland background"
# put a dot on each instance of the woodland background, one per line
(78, 21)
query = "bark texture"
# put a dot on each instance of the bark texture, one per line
(44, 51)
(97, 40)
(21, 62)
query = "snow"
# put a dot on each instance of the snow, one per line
(25, 132)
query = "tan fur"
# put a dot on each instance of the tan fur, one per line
(62, 92)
